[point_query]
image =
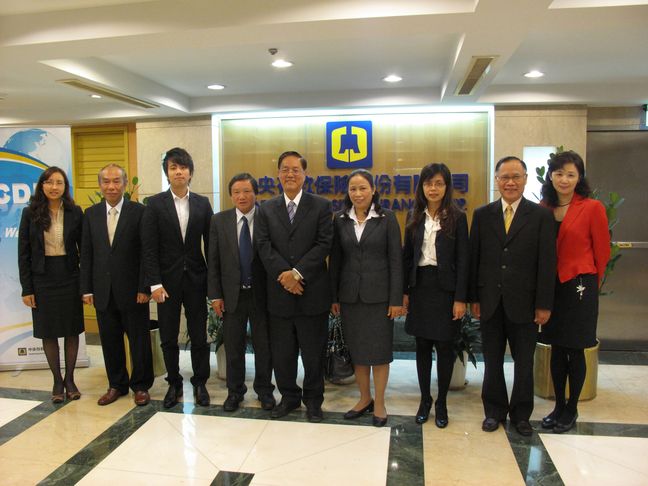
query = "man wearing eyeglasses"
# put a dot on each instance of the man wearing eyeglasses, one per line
(513, 270)
(295, 234)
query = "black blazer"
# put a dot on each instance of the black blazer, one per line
(371, 269)
(118, 267)
(303, 245)
(453, 258)
(31, 245)
(519, 267)
(166, 257)
(224, 270)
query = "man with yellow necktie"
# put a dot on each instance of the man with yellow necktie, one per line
(513, 270)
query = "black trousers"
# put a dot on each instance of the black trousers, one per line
(522, 338)
(235, 332)
(134, 321)
(194, 301)
(289, 336)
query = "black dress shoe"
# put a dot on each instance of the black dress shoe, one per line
(524, 428)
(490, 424)
(172, 396)
(314, 414)
(562, 425)
(549, 422)
(354, 414)
(201, 396)
(283, 409)
(423, 412)
(379, 421)
(232, 401)
(440, 415)
(268, 401)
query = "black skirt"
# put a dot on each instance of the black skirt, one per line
(430, 308)
(368, 333)
(59, 309)
(575, 313)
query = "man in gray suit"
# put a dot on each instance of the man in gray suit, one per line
(236, 287)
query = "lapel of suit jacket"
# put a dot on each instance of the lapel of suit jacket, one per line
(278, 207)
(348, 228)
(370, 226)
(418, 241)
(231, 230)
(173, 214)
(497, 220)
(303, 209)
(67, 228)
(102, 216)
(519, 219)
(573, 212)
(121, 222)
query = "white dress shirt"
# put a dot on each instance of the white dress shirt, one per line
(514, 205)
(239, 222)
(357, 225)
(428, 250)
(182, 208)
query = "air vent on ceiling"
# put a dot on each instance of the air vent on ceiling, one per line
(479, 66)
(108, 93)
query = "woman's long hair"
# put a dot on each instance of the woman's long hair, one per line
(557, 162)
(39, 204)
(448, 211)
(375, 199)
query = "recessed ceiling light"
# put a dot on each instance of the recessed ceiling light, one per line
(392, 78)
(216, 86)
(95, 96)
(281, 63)
(534, 74)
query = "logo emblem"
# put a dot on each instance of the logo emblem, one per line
(349, 145)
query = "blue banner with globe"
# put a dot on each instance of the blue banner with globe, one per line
(24, 154)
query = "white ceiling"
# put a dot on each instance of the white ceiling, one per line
(594, 52)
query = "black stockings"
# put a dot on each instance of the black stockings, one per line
(71, 349)
(445, 365)
(567, 363)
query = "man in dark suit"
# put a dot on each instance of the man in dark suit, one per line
(237, 288)
(295, 233)
(112, 279)
(513, 269)
(175, 221)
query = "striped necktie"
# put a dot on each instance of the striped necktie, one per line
(291, 211)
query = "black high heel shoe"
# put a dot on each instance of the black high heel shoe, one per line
(562, 427)
(549, 422)
(423, 412)
(440, 415)
(354, 414)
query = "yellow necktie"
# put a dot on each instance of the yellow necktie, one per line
(508, 217)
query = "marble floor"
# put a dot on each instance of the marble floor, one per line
(80, 442)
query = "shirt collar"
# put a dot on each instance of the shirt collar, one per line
(354, 216)
(117, 206)
(514, 204)
(176, 198)
(249, 215)
(296, 200)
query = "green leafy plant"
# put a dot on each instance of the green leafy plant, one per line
(214, 327)
(130, 193)
(468, 339)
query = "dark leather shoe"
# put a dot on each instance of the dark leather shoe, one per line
(379, 421)
(314, 414)
(142, 398)
(549, 422)
(201, 396)
(110, 396)
(562, 427)
(172, 396)
(354, 414)
(268, 401)
(490, 424)
(232, 401)
(283, 409)
(440, 415)
(423, 412)
(524, 428)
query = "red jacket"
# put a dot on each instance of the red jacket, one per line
(583, 244)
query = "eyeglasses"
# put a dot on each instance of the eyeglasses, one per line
(288, 170)
(517, 178)
(53, 183)
(435, 184)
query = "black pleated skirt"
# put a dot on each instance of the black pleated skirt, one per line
(575, 314)
(59, 310)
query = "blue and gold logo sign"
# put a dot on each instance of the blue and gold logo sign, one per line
(348, 145)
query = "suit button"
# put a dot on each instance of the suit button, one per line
(499, 286)
(503, 267)
(505, 249)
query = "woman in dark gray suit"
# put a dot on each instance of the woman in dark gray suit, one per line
(366, 273)
(435, 260)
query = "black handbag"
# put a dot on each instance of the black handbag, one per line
(338, 360)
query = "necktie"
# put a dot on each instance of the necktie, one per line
(112, 224)
(245, 254)
(291, 211)
(508, 217)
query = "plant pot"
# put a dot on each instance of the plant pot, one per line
(221, 368)
(159, 368)
(458, 380)
(542, 382)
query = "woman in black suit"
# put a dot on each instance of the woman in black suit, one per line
(366, 274)
(48, 260)
(435, 261)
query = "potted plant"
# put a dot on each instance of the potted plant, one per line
(215, 336)
(465, 345)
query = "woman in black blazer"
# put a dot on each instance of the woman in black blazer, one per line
(48, 261)
(435, 261)
(366, 275)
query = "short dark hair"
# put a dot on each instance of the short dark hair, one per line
(557, 162)
(509, 158)
(243, 176)
(178, 156)
(292, 153)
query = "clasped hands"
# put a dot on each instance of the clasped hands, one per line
(288, 282)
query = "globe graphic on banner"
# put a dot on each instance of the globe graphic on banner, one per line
(39, 144)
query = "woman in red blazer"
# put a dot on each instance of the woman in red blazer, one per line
(583, 248)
